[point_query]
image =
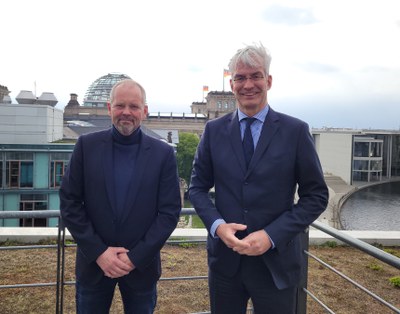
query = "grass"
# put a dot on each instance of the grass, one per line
(39, 265)
(195, 221)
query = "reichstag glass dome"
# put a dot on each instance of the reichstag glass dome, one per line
(98, 93)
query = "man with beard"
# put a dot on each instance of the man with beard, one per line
(120, 200)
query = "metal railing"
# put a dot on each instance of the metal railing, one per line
(303, 292)
(360, 245)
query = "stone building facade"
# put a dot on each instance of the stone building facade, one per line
(218, 104)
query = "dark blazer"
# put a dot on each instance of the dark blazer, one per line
(87, 203)
(262, 197)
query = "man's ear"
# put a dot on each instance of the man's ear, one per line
(145, 111)
(269, 81)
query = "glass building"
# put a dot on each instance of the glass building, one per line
(359, 155)
(367, 159)
(98, 92)
(30, 177)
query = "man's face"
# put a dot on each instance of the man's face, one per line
(127, 110)
(250, 86)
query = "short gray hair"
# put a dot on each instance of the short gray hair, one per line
(251, 55)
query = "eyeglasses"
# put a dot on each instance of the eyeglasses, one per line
(240, 79)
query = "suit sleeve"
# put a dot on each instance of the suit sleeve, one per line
(202, 180)
(72, 207)
(168, 210)
(312, 192)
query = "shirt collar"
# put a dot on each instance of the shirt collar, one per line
(131, 139)
(261, 115)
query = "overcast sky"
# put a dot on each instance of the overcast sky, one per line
(335, 63)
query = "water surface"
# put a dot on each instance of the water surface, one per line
(373, 208)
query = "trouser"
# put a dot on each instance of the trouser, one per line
(230, 295)
(97, 298)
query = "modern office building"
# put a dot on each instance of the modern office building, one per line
(30, 176)
(31, 120)
(359, 155)
(31, 164)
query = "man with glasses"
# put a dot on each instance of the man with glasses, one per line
(256, 158)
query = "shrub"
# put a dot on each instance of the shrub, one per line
(393, 252)
(374, 266)
(331, 244)
(395, 281)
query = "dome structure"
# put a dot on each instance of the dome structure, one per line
(98, 93)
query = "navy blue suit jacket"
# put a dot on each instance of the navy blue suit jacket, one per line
(262, 196)
(87, 203)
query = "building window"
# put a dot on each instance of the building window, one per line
(1, 174)
(58, 165)
(367, 159)
(19, 174)
(361, 149)
(19, 170)
(56, 173)
(30, 202)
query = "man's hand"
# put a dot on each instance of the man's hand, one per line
(112, 264)
(258, 243)
(124, 257)
(226, 232)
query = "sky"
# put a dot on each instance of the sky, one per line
(335, 63)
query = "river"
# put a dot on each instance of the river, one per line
(374, 208)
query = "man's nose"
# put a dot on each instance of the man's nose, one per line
(127, 110)
(248, 83)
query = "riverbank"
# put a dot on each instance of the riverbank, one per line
(339, 190)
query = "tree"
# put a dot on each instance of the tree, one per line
(185, 152)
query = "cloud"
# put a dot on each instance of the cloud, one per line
(361, 112)
(318, 67)
(290, 16)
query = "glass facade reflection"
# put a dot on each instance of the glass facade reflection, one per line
(367, 159)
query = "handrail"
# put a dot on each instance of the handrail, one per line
(11, 214)
(302, 291)
(376, 297)
(361, 245)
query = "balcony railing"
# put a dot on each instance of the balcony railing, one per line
(303, 292)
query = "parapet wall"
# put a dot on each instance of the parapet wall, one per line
(317, 237)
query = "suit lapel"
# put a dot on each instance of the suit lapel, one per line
(236, 140)
(270, 127)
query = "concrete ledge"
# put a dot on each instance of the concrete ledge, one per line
(317, 237)
(385, 238)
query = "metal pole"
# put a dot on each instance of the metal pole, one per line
(62, 283)
(58, 268)
(301, 306)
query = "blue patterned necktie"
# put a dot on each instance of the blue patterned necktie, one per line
(248, 144)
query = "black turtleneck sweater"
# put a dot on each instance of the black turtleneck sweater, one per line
(125, 150)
